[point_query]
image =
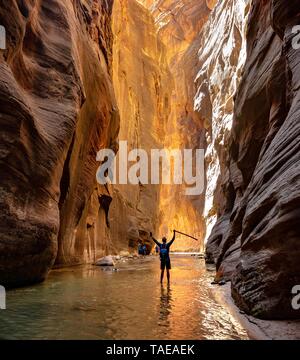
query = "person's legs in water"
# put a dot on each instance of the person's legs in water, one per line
(168, 275)
(162, 268)
(168, 267)
(162, 276)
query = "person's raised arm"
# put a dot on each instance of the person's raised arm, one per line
(174, 236)
(156, 242)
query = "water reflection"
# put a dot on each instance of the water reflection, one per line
(89, 303)
(165, 306)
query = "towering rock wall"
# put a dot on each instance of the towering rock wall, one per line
(155, 63)
(178, 25)
(57, 111)
(256, 239)
(143, 86)
(222, 54)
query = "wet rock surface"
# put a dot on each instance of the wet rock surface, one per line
(105, 261)
(263, 170)
(222, 54)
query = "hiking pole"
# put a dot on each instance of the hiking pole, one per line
(192, 237)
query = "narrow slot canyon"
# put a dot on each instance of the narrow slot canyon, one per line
(80, 76)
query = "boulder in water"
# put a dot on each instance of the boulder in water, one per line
(105, 261)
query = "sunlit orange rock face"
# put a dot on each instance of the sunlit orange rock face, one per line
(141, 81)
(179, 24)
(155, 63)
(211, 4)
(57, 111)
(256, 239)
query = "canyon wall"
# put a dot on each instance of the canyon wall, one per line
(222, 54)
(142, 84)
(57, 111)
(154, 64)
(255, 242)
(178, 26)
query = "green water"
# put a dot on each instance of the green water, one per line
(89, 303)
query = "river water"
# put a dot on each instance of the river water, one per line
(89, 302)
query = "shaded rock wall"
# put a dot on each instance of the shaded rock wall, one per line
(57, 111)
(259, 229)
(222, 54)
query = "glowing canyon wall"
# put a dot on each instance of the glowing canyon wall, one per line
(179, 24)
(142, 85)
(155, 63)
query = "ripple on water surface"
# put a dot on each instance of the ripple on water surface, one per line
(89, 303)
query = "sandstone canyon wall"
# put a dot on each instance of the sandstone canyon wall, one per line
(154, 64)
(177, 26)
(69, 67)
(222, 54)
(255, 242)
(57, 110)
(142, 85)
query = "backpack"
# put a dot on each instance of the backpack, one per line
(164, 253)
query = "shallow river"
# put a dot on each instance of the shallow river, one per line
(93, 303)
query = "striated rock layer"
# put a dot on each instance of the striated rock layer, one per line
(258, 233)
(57, 111)
(222, 54)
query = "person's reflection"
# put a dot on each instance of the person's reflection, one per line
(165, 306)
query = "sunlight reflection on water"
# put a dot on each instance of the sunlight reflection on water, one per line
(89, 303)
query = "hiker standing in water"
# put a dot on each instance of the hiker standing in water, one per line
(165, 261)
